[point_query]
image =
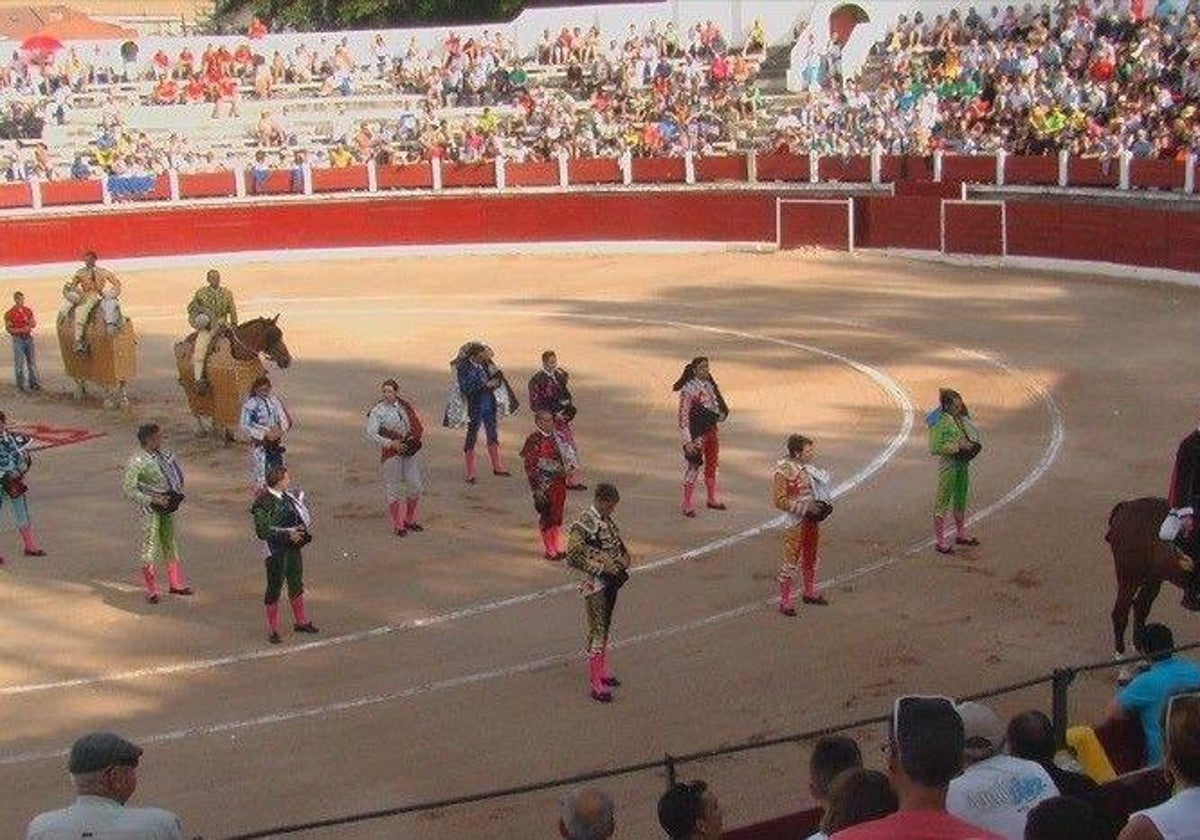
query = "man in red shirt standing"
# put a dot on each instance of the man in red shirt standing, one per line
(19, 322)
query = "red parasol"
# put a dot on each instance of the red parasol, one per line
(41, 43)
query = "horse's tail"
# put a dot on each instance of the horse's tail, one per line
(1112, 515)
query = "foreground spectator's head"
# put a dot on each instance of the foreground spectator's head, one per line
(689, 811)
(1030, 735)
(104, 764)
(587, 814)
(831, 756)
(1063, 818)
(925, 748)
(983, 732)
(1155, 642)
(858, 796)
(1183, 740)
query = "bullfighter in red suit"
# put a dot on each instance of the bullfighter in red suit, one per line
(701, 408)
(548, 461)
(548, 391)
(1184, 497)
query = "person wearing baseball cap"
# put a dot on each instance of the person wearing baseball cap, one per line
(995, 791)
(103, 766)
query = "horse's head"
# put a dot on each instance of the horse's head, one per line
(261, 335)
(273, 344)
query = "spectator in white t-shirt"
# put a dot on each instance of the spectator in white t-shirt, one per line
(995, 791)
(1179, 817)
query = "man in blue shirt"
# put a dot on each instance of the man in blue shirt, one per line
(1147, 695)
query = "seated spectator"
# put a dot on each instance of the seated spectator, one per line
(925, 751)
(1179, 817)
(103, 767)
(1063, 818)
(1147, 694)
(858, 796)
(995, 791)
(587, 814)
(689, 811)
(832, 755)
(1030, 736)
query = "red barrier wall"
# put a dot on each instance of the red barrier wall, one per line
(658, 171)
(721, 169)
(71, 192)
(783, 167)
(972, 229)
(563, 217)
(1157, 174)
(468, 174)
(853, 169)
(536, 174)
(901, 222)
(206, 184)
(1090, 172)
(412, 176)
(594, 171)
(808, 223)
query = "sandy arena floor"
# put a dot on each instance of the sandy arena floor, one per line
(1077, 384)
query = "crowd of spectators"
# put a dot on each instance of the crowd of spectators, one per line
(1094, 77)
(650, 91)
(953, 771)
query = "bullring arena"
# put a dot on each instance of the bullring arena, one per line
(834, 294)
(449, 662)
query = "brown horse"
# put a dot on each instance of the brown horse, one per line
(234, 362)
(1143, 562)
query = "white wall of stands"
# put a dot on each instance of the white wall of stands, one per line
(735, 17)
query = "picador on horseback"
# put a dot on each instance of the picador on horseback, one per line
(210, 311)
(1184, 498)
(90, 287)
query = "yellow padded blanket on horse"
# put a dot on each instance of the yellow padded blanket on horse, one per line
(229, 380)
(111, 359)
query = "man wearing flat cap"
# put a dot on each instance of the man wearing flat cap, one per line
(104, 769)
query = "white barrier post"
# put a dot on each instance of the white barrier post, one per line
(372, 176)
(1189, 175)
(501, 178)
(105, 195)
(437, 174)
(1001, 157)
(239, 181)
(627, 167)
(689, 167)
(306, 178)
(937, 166)
(876, 164)
(752, 167)
(1064, 167)
(814, 167)
(564, 175)
(173, 183)
(35, 193)
(1126, 157)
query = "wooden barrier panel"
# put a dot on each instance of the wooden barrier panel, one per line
(726, 168)
(541, 173)
(15, 195)
(277, 182)
(969, 169)
(1093, 172)
(594, 171)
(849, 169)
(72, 192)
(482, 174)
(783, 167)
(1031, 169)
(822, 223)
(658, 171)
(206, 185)
(405, 176)
(973, 227)
(1157, 174)
(340, 179)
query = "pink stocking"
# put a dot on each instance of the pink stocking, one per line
(298, 610)
(273, 617)
(410, 510)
